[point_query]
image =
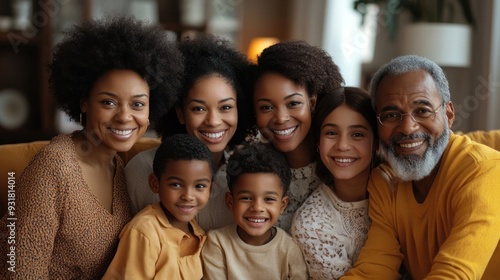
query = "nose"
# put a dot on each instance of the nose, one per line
(282, 116)
(408, 124)
(257, 205)
(124, 114)
(343, 143)
(213, 118)
(187, 194)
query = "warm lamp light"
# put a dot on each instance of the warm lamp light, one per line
(257, 45)
(446, 44)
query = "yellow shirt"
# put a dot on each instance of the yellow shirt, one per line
(150, 248)
(453, 234)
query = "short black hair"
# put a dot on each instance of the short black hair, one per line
(257, 158)
(359, 100)
(208, 55)
(95, 47)
(181, 147)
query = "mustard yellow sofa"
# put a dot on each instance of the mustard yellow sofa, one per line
(15, 157)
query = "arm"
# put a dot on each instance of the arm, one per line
(213, 258)
(380, 258)
(297, 265)
(36, 213)
(475, 231)
(135, 258)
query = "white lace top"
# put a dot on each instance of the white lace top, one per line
(304, 182)
(330, 233)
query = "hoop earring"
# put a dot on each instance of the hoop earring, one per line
(81, 118)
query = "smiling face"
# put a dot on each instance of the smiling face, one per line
(184, 189)
(283, 111)
(413, 149)
(210, 113)
(256, 201)
(117, 109)
(346, 144)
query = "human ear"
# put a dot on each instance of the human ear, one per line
(154, 183)
(180, 115)
(229, 201)
(312, 102)
(284, 203)
(450, 113)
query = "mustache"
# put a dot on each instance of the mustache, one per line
(417, 135)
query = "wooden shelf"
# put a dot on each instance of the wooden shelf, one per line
(24, 59)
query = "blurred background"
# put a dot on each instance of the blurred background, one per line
(462, 36)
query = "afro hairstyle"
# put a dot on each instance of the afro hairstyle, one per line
(257, 158)
(208, 55)
(95, 47)
(306, 65)
(181, 147)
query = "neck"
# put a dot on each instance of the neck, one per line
(218, 159)
(92, 151)
(422, 187)
(353, 189)
(256, 240)
(302, 155)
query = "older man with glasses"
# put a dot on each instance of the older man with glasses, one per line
(435, 203)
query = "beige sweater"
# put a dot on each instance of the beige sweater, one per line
(62, 231)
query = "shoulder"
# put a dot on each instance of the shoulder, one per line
(144, 157)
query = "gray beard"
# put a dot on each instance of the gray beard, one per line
(413, 167)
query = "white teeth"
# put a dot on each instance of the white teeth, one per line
(344, 160)
(411, 145)
(285, 132)
(256, 220)
(214, 135)
(121, 132)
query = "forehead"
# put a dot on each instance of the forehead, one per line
(274, 85)
(407, 89)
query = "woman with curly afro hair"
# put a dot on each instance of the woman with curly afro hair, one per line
(288, 78)
(111, 75)
(212, 108)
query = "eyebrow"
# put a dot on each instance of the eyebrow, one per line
(286, 97)
(249, 192)
(416, 102)
(180, 179)
(219, 102)
(351, 126)
(116, 96)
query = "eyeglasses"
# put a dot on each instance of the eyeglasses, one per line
(419, 115)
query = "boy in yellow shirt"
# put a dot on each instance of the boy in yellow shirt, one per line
(163, 241)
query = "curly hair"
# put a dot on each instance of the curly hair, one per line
(207, 55)
(355, 98)
(306, 65)
(181, 147)
(257, 158)
(97, 46)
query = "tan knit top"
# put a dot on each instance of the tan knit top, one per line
(62, 231)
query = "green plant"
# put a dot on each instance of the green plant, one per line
(420, 10)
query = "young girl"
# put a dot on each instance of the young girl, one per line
(163, 241)
(289, 76)
(210, 108)
(332, 224)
